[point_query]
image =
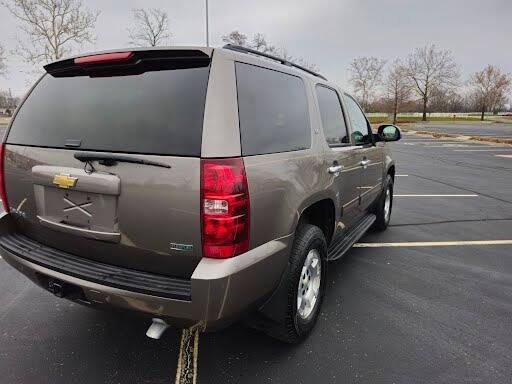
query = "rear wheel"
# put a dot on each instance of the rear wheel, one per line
(304, 282)
(384, 206)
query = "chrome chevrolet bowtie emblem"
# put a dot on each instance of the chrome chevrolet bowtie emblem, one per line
(65, 181)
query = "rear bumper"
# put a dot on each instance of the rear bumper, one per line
(218, 292)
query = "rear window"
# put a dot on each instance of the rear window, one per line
(158, 112)
(273, 111)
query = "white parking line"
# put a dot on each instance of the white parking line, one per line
(506, 156)
(436, 144)
(186, 371)
(435, 195)
(401, 175)
(409, 141)
(483, 150)
(456, 146)
(433, 243)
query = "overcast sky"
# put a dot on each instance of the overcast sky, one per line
(327, 33)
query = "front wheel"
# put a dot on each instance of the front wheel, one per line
(384, 206)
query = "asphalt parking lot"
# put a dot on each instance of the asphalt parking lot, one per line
(500, 130)
(419, 303)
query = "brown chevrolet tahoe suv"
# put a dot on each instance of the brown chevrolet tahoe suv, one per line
(195, 185)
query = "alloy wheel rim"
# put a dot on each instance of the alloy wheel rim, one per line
(387, 204)
(308, 290)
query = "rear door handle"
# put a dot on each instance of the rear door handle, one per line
(364, 163)
(335, 169)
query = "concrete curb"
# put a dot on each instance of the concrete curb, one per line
(478, 139)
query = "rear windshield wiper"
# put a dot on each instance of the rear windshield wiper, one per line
(111, 159)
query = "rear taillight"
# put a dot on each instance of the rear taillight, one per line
(224, 208)
(3, 195)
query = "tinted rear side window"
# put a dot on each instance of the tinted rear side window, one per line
(273, 111)
(159, 112)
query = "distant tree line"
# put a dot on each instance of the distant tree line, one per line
(8, 102)
(427, 80)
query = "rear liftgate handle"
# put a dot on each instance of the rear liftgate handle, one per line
(112, 237)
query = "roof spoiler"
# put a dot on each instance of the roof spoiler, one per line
(128, 62)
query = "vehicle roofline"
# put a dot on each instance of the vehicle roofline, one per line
(274, 64)
(206, 50)
(209, 51)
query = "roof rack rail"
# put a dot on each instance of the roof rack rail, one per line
(239, 48)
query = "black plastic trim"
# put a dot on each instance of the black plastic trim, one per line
(105, 274)
(341, 245)
(241, 49)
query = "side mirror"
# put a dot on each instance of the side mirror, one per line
(388, 132)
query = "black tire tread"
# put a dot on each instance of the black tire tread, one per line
(286, 331)
(380, 223)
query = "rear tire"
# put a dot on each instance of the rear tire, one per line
(304, 282)
(384, 206)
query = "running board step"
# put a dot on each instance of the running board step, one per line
(340, 246)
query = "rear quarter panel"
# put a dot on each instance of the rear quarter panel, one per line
(281, 186)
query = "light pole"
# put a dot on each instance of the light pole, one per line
(207, 31)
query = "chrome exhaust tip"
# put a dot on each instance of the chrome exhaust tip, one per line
(157, 329)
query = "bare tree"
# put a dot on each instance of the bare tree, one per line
(397, 86)
(51, 27)
(8, 102)
(235, 38)
(3, 66)
(430, 68)
(445, 100)
(261, 44)
(306, 64)
(151, 27)
(490, 87)
(500, 104)
(365, 76)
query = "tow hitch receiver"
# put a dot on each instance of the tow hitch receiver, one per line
(62, 289)
(57, 288)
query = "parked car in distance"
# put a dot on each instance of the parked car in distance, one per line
(195, 185)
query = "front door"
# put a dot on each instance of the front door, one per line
(368, 155)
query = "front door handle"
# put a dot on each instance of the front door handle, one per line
(365, 163)
(335, 169)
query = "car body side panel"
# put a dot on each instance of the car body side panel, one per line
(347, 182)
(283, 185)
(347, 185)
(221, 135)
(387, 159)
(371, 180)
(371, 175)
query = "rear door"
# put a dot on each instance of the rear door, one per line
(103, 160)
(368, 155)
(341, 160)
